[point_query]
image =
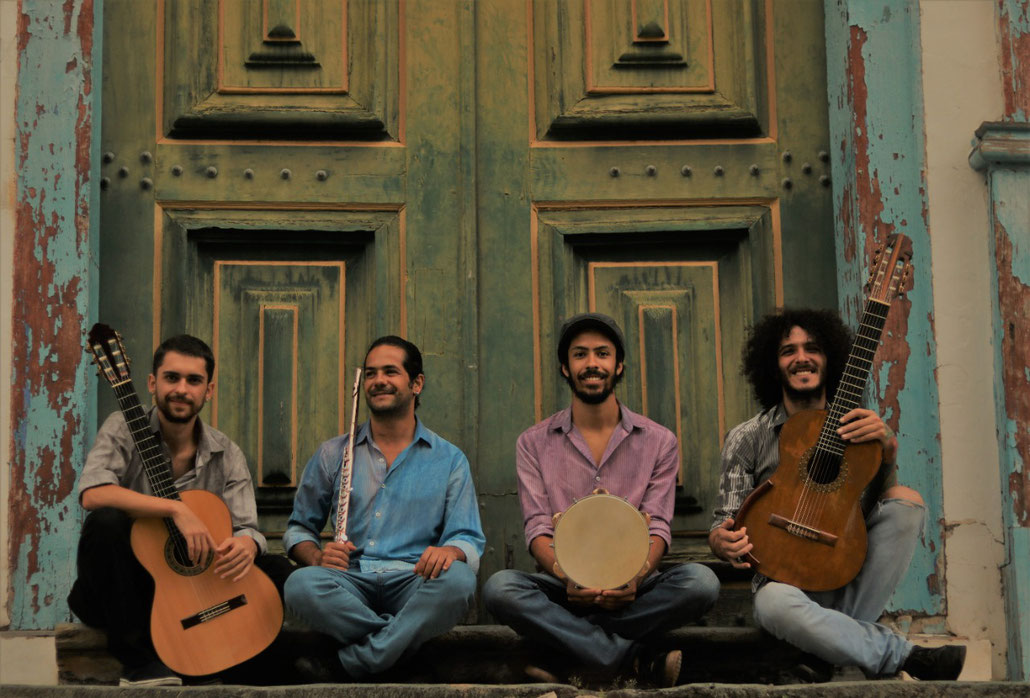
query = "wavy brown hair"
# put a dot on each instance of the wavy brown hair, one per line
(760, 364)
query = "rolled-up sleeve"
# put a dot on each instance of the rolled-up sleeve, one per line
(108, 460)
(239, 496)
(536, 505)
(659, 497)
(462, 527)
(739, 457)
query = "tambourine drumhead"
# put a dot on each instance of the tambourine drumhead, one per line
(601, 542)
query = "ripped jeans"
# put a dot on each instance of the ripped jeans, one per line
(840, 626)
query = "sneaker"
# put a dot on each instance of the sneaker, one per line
(658, 668)
(320, 668)
(935, 663)
(150, 674)
(812, 669)
(537, 673)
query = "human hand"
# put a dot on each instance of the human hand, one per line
(199, 542)
(436, 560)
(235, 557)
(337, 555)
(730, 545)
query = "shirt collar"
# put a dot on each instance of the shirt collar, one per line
(777, 415)
(628, 420)
(206, 443)
(421, 433)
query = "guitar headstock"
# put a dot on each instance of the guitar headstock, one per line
(108, 353)
(892, 269)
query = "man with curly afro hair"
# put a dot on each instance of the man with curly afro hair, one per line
(794, 360)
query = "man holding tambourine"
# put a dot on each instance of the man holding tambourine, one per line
(596, 484)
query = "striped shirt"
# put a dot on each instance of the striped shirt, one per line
(751, 454)
(555, 468)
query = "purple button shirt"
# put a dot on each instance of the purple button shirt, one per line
(555, 468)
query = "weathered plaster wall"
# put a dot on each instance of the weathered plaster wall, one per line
(958, 204)
(51, 409)
(874, 77)
(8, 77)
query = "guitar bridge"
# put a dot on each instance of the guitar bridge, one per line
(802, 531)
(213, 612)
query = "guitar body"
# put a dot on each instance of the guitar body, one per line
(807, 528)
(244, 616)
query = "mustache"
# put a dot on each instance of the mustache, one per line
(592, 372)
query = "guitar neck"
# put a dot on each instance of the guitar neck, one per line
(856, 373)
(155, 463)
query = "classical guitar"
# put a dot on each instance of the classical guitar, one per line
(200, 623)
(805, 522)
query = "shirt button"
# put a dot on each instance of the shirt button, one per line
(597, 479)
(382, 486)
(381, 460)
(378, 514)
(372, 543)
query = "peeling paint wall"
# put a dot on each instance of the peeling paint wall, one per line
(958, 201)
(8, 78)
(878, 150)
(51, 406)
(1014, 32)
(1002, 150)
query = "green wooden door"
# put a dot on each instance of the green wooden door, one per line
(290, 178)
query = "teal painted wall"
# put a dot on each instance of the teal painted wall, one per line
(52, 404)
(878, 157)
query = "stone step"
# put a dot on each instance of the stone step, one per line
(486, 654)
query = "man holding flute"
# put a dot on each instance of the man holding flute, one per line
(405, 570)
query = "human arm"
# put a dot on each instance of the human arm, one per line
(859, 425)
(238, 495)
(461, 537)
(737, 479)
(313, 503)
(198, 539)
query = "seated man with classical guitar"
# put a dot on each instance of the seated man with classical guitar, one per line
(598, 445)
(402, 566)
(113, 590)
(795, 361)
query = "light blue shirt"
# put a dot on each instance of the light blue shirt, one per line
(425, 498)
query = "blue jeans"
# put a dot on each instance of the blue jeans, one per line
(380, 617)
(535, 606)
(840, 626)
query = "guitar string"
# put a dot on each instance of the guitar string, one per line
(811, 505)
(158, 472)
(829, 450)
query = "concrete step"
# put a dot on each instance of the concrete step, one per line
(485, 654)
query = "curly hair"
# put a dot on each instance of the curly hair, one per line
(760, 363)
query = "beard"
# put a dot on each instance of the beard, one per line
(164, 405)
(805, 395)
(593, 398)
(812, 394)
(397, 407)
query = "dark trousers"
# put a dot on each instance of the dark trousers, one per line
(114, 591)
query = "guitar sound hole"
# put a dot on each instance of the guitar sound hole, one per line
(823, 471)
(177, 557)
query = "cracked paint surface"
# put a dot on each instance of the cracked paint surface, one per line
(1014, 31)
(876, 125)
(50, 409)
